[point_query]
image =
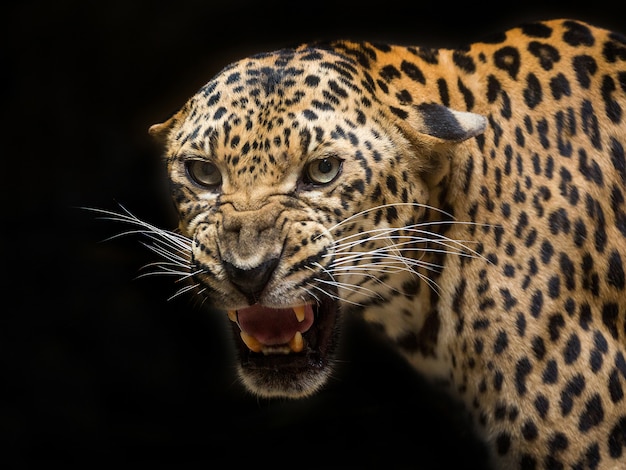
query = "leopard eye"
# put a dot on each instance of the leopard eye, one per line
(204, 173)
(322, 170)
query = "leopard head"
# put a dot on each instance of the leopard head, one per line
(298, 183)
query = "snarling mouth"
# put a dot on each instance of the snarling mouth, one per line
(285, 338)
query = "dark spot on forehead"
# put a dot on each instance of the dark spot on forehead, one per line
(312, 80)
(272, 79)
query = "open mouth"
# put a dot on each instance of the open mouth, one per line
(295, 337)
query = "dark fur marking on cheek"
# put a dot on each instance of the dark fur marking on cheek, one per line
(358, 185)
(392, 185)
(392, 214)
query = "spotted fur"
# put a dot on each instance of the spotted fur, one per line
(469, 203)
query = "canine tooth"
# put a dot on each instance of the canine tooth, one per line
(232, 315)
(253, 344)
(299, 312)
(297, 342)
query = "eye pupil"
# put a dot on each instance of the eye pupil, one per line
(325, 166)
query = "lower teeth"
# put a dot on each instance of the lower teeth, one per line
(295, 345)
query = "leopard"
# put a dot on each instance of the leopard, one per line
(467, 203)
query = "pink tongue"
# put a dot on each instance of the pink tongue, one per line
(272, 326)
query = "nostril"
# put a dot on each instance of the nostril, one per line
(251, 281)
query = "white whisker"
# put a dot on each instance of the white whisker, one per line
(457, 246)
(396, 204)
(173, 248)
(340, 285)
(332, 296)
(402, 250)
(183, 290)
(311, 295)
(350, 287)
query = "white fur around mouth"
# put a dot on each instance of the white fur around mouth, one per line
(304, 318)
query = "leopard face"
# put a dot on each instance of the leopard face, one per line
(468, 203)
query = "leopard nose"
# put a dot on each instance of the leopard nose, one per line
(252, 281)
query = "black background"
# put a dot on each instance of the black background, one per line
(98, 366)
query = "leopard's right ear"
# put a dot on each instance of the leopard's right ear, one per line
(162, 130)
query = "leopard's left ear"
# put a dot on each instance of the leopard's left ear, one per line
(433, 130)
(441, 123)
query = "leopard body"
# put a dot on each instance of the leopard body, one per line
(469, 203)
